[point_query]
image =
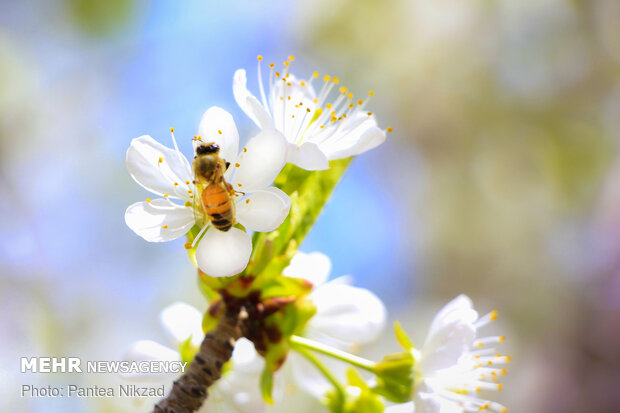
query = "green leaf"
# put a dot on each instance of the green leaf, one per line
(187, 350)
(402, 337)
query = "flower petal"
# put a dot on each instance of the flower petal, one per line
(309, 379)
(260, 161)
(223, 254)
(182, 321)
(157, 168)
(346, 314)
(241, 93)
(459, 309)
(314, 267)
(443, 348)
(262, 116)
(218, 126)
(264, 210)
(308, 156)
(159, 220)
(359, 134)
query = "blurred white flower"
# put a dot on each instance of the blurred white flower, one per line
(319, 126)
(166, 172)
(454, 366)
(346, 318)
(237, 391)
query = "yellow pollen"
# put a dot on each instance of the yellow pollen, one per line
(247, 201)
(359, 102)
(189, 191)
(271, 65)
(322, 126)
(176, 184)
(508, 359)
(328, 106)
(502, 339)
(187, 182)
(165, 195)
(351, 105)
(287, 63)
(390, 129)
(277, 74)
(490, 363)
(344, 115)
(504, 410)
(237, 164)
(188, 245)
(291, 58)
(308, 110)
(343, 90)
(191, 196)
(288, 97)
(148, 199)
(172, 130)
(350, 95)
(502, 372)
(288, 83)
(219, 131)
(493, 315)
(493, 373)
(315, 74)
(480, 408)
(259, 57)
(336, 80)
(327, 78)
(302, 83)
(479, 344)
(462, 391)
(188, 204)
(164, 226)
(477, 356)
(239, 185)
(369, 113)
(161, 159)
(315, 100)
(500, 387)
(477, 389)
(245, 149)
(371, 93)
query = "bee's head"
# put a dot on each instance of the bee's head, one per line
(207, 149)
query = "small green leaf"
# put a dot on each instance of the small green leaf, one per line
(187, 350)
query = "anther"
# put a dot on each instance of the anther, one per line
(271, 65)
(172, 130)
(336, 80)
(239, 185)
(188, 204)
(390, 129)
(148, 199)
(189, 191)
(247, 201)
(176, 184)
(187, 182)
(245, 149)
(493, 315)
(287, 63)
(371, 93)
(219, 131)
(277, 74)
(164, 226)
(315, 74)
(343, 90)
(291, 58)
(259, 57)
(302, 83)
(369, 113)
(188, 245)
(350, 95)
(237, 164)
(327, 78)
(165, 195)
(161, 159)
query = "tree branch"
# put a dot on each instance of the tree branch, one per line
(190, 390)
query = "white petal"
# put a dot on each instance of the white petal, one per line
(241, 93)
(459, 309)
(314, 267)
(223, 254)
(218, 126)
(262, 116)
(182, 321)
(346, 314)
(263, 211)
(446, 345)
(308, 156)
(143, 163)
(147, 350)
(245, 358)
(260, 161)
(148, 219)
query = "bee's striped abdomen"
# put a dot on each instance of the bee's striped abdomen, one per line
(218, 206)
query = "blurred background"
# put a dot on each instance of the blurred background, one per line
(500, 181)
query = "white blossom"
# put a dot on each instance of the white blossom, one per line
(346, 318)
(237, 391)
(166, 172)
(319, 126)
(455, 365)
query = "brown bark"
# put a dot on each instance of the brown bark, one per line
(190, 390)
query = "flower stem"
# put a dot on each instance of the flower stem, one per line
(324, 370)
(302, 342)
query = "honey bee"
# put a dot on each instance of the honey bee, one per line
(214, 193)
